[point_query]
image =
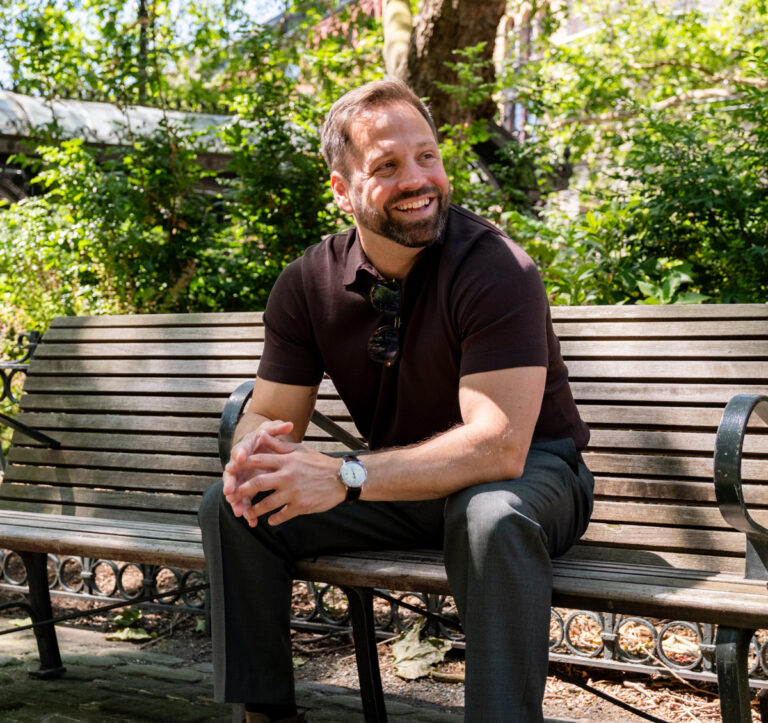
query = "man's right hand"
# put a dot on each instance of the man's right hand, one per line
(251, 443)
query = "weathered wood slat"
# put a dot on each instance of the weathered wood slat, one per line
(121, 423)
(86, 513)
(749, 371)
(659, 514)
(120, 479)
(131, 385)
(170, 463)
(662, 314)
(172, 367)
(679, 561)
(677, 539)
(666, 349)
(635, 464)
(149, 334)
(667, 440)
(121, 501)
(660, 329)
(139, 404)
(607, 391)
(139, 321)
(155, 350)
(145, 443)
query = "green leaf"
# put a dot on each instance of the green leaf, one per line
(130, 634)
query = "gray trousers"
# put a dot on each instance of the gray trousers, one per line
(498, 539)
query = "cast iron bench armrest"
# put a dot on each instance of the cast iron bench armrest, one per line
(235, 406)
(728, 453)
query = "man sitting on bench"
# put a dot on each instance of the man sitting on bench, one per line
(436, 332)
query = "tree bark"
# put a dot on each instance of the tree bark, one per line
(441, 27)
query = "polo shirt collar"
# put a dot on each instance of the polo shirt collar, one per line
(357, 262)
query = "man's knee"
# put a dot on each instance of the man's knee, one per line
(489, 513)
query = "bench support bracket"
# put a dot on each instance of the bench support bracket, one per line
(36, 564)
(366, 652)
(732, 674)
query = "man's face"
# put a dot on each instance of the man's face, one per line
(396, 186)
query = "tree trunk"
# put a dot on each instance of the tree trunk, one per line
(443, 26)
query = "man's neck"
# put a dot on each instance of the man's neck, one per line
(392, 260)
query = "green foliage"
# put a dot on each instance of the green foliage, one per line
(663, 111)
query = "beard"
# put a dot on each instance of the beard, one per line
(411, 234)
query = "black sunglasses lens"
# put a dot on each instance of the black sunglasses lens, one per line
(386, 298)
(384, 345)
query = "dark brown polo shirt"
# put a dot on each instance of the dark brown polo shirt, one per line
(473, 302)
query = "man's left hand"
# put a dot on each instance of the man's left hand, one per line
(302, 481)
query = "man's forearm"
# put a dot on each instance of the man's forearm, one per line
(444, 464)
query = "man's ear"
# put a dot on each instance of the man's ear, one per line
(340, 188)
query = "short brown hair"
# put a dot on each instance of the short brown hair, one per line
(335, 140)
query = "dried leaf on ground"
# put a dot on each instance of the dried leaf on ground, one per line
(415, 658)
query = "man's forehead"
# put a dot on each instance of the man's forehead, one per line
(383, 125)
(387, 117)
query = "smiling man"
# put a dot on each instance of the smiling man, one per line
(436, 332)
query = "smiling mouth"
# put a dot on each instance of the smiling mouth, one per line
(413, 205)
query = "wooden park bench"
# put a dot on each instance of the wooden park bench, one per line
(135, 404)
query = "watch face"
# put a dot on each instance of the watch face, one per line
(353, 473)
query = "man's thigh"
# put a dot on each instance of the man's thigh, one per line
(554, 493)
(357, 527)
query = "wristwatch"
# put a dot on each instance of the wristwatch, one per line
(352, 475)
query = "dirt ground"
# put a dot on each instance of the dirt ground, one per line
(329, 659)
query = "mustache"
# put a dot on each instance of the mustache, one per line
(407, 195)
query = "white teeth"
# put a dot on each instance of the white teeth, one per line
(415, 204)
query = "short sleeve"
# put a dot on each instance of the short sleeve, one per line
(290, 353)
(501, 309)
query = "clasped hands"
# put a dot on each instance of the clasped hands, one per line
(300, 480)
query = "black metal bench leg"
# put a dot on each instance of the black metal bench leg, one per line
(733, 674)
(363, 631)
(40, 604)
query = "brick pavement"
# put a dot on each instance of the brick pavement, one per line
(114, 682)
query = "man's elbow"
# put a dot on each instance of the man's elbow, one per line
(510, 461)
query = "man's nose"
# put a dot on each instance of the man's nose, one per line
(411, 177)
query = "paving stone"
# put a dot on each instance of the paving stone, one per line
(161, 672)
(6, 660)
(430, 716)
(348, 702)
(144, 656)
(91, 661)
(164, 712)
